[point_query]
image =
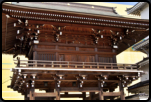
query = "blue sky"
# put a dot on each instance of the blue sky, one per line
(125, 3)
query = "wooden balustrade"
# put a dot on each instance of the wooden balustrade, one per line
(73, 64)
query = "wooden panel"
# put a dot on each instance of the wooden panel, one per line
(86, 49)
(106, 59)
(11, 33)
(46, 46)
(104, 50)
(66, 48)
(3, 30)
(86, 58)
(80, 58)
(46, 56)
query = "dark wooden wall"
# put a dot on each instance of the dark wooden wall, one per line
(8, 32)
(3, 30)
(73, 53)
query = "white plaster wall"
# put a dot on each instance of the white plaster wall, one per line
(145, 68)
(145, 12)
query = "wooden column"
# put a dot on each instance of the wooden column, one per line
(57, 55)
(57, 91)
(57, 94)
(84, 95)
(35, 53)
(26, 94)
(96, 55)
(77, 48)
(31, 94)
(121, 90)
(114, 59)
(91, 95)
(101, 97)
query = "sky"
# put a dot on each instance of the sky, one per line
(125, 3)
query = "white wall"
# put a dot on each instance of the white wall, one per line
(145, 12)
(145, 68)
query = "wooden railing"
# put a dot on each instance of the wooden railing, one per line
(73, 64)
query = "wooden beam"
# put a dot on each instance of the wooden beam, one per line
(71, 95)
(76, 89)
(75, 25)
(48, 94)
(71, 80)
(111, 93)
(75, 45)
(73, 72)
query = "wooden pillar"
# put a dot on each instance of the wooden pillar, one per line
(57, 94)
(35, 53)
(96, 56)
(77, 48)
(91, 95)
(26, 93)
(121, 90)
(84, 95)
(31, 94)
(101, 97)
(57, 91)
(57, 55)
(114, 59)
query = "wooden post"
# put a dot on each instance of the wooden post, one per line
(26, 93)
(111, 66)
(57, 94)
(31, 94)
(91, 95)
(84, 95)
(101, 97)
(35, 63)
(83, 65)
(18, 64)
(52, 65)
(97, 65)
(68, 64)
(57, 56)
(57, 91)
(35, 55)
(121, 90)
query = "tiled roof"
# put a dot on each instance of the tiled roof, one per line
(135, 10)
(140, 84)
(141, 44)
(73, 7)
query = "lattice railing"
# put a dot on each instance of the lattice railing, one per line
(73, 64)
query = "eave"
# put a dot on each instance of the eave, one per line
(101, 22)
(135, 10)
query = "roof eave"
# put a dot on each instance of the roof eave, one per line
(136, 7)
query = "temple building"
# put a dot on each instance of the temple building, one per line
(71, 47)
